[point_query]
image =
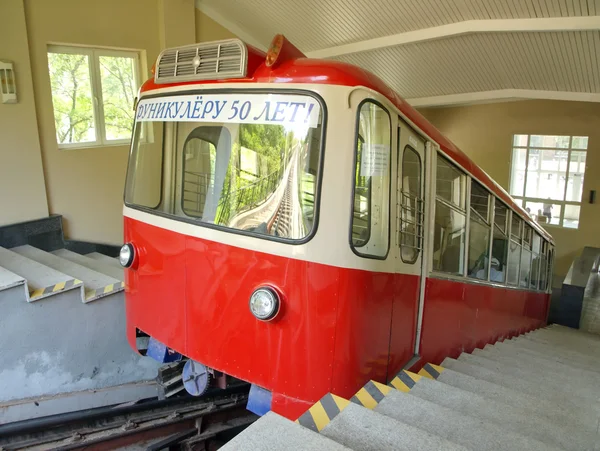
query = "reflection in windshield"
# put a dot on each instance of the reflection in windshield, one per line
(263, 182)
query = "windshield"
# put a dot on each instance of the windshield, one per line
(247, 162)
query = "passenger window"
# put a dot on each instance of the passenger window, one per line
(411, 217)
(514, 250)
(536, 262)
(450, 218)
(371, 211)
(544, 266)
(479, 232)
(499, 243)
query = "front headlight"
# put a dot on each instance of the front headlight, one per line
(264, 303)
(126, 255)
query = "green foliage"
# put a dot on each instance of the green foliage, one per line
(118, 94)
(72, 97)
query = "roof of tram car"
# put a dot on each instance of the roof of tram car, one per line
(294, 67)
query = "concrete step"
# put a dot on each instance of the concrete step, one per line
(510, 348)
(515, 419)
(562, 344)
(359, 428)
(528, 372)
(9, 279)
(96, 285)
(93, 264)
(273, 432)
(546, 404)
(470, 432)
(575, 375)
(552, 351)
(42, 281)
(112, 261)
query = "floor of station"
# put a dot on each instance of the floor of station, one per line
(538, 391)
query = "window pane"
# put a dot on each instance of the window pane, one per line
(517, 176)
(571, 219)
(577, 163)
(370, 222)
(500, 214)
(525, 267)
(558, 142)
(580, 142)
(449, 239)
(450, 183)
(516, 224)
(535, 271)
(514, 259)
(72, 98)
(544, 212)
(199, 174)
(479, 248)
(480, 200)
(520, 140)
(118, 93)
(527, 233)
(412, 206)
(543, 272)
(499, 257)
(537, 241)
(144, 172)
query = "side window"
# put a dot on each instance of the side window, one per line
(450, 218)
(514, 250)
(479, 232)
(499, 243)
(536, 261)
(526, 257)
(410, 197)
(371, 202)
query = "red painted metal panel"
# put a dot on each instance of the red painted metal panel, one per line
(459, 317)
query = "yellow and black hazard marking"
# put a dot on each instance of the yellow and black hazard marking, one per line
(405, 380)
(103, 291)
(371, 394)
(431, 371)
(61, 286)
(325, 410)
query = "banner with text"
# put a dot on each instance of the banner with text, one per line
(279, 109)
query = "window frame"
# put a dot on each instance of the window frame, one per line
(355, 161)
(562, 203)
(94, 54)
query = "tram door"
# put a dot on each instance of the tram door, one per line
(409, 233)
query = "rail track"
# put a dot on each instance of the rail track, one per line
(185, 423)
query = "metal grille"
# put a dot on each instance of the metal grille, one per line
(210, 61)
(411, 226)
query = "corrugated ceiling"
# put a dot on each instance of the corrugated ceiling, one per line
(547, 61)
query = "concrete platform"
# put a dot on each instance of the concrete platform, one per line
(96, 284)
(112, 261)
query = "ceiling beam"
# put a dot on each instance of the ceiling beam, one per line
(463, 28)
(226, 23)
(502, 95)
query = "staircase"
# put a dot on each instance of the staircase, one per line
(538, 391)
(46, 274)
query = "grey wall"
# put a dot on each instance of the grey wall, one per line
(58, 345)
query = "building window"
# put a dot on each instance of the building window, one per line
(93, 92)
(547, 175)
